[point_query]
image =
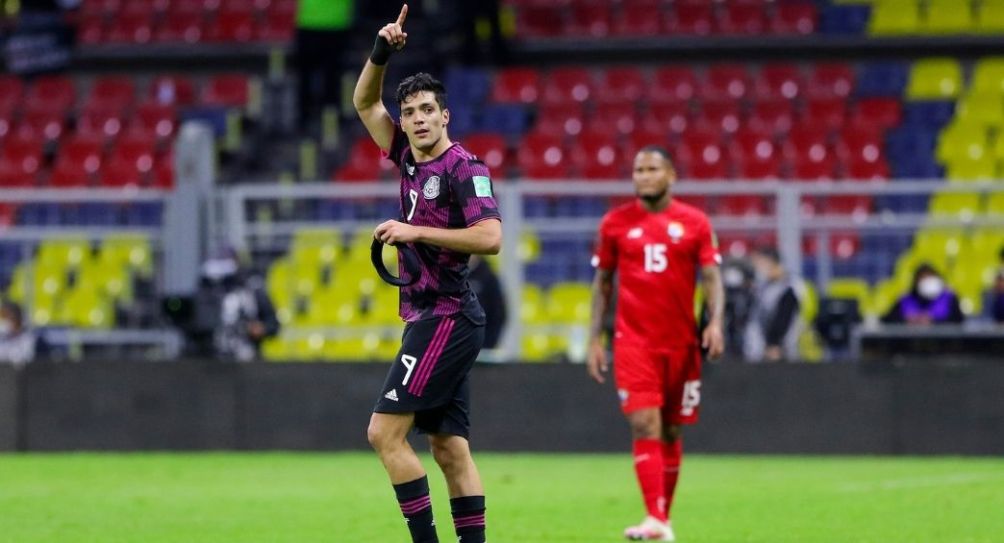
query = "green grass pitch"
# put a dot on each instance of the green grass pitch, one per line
(279, 497)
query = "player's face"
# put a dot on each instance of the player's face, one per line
(422, 120)
(652, 176)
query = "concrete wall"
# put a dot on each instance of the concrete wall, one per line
(864, 409)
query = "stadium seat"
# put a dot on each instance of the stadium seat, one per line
(778, 81)
(539, 21)
(882, 79)
(55, 95)
(41, 124)
(568, 85)
(828, 79)
(691, 19)
(597, 156)
(935, 79)
(20, 159)
(947, 17)
(490, 148)
(895, 17)
(615, 117)
(589, 20)
(153, 119)
(169, 90)
(119, 172)
(723, 113)
(742, 18)
(829, 113)
(111, 93)
(666, 117)
(884, 112)
(963, 139)
(180, 27)
(701, 155)
(90, 29)
(990, 18)
(861, 168)
(105, 124)
(638, 20)
(232, 27)
(643, 138)
(11, 91)
(985, 108)
(280, 28)
(131, 28)
(800, 18)
(756, 154)
(988, 76)
(726, 81)
(983, 168)
(673, 84)
(365, 155)
(230, 90)
(928, 113)
(621, 86)
(540, 156)
(775, 115)
(521, 85)
(844, 20)
(960, 205)
(508, 119)
(565, 119)
(136, 150)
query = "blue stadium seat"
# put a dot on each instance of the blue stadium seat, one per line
(902, 203)
(144, 214)
(918, 168)
(463, 118)
(508, 119)
(882, 79)
(844, 19)
(467, 85)
(930, 114)
(537, 207)
(38, 215)
(99, 214)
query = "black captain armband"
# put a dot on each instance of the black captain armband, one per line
(412, 266)
(381, 51)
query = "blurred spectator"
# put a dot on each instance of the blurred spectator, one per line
(997, 293)
(738, 278)
(17, 343)
(929, 301)
(323, 36)
(774, 325)
(232, 310)
(488, 289)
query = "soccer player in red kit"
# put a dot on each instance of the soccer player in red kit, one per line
(657, 246)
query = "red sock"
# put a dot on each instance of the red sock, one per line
(672, 455)
(648, 467)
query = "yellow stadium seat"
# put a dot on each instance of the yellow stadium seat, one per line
(529, 246)
(948, 17)
(986, 108)
(960, 205)
(990, 19)
(894, 17)
(309, 348)
(358, 248)
(569, 303)
(934, 79)
(998, 147)
(532, 309)
(808, 299)
(131, 251)
(995, 204)
(65, 252)
(850, 288)
(356, 349)
(315, 246)
(983, 168)
(276, 349)
(884, 296)
(988, 77)
(112, 280)
(87, 309)
(536, 346)
(969, 139)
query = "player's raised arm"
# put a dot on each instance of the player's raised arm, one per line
(603, 288)
(369, 88)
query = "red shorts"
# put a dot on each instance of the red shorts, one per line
(669, 379)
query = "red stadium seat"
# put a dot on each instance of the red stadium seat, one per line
(696, 19)
(667, 117)
(795, 18)
(561, 120)
(155, 120)
(723, 113)
(163, 172)
(186, 7)
(620, 85)
(354, 172)
(539, 21)
(726, 81)
(597, 156)
(818, 164)
(99, 7)
(756, 154)
(613, 118)
(20, 159)
(131, 28)
(6, 124)
(119, 172)
(542, 157)
(775, 115)
(54, 94)
(516, 85)
(592, 20)
(137, 150)
(805, 139)
(172, 90)
(111, 93)
(860, 168)
(232, 27)
(278, 28)
(11, 91)
(104, 124)
(639, 20)
(564, 85)
(136, 8)
(227, 90)
(742, 18)
(365, 155)
(643, 138)
(673, 84)
(490, 148)
(778, 81)
(41, 124)
(826, 112)
(742, 206)
(90, 29)
(702, 154)
(237, 6)
(180, 27)
(830, 79)
(281, 7)
(843, 245)
(860, 141)
(885, 112)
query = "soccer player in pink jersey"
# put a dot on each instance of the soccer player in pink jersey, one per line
(448, 212)
(657, 247)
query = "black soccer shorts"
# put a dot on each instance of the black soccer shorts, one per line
(429, 377)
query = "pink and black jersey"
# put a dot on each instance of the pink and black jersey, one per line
(453, 190)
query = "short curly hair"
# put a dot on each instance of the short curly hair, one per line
(421, 82)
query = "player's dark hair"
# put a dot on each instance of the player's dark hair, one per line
(421, 82)
(659, 150)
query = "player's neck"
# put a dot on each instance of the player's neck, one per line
(655, 207)
(435, 152)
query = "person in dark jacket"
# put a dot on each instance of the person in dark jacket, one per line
(488, 289)
(774, 323)
(929, 301)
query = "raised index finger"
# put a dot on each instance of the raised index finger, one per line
(403, 14)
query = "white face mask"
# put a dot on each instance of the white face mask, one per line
(930, 287)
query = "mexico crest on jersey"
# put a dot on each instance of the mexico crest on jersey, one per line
(431, 188)
(675, 231)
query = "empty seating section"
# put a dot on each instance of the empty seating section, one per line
(128, 22)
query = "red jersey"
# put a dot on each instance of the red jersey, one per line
(657, 257)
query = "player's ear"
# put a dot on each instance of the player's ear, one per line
(446, 116)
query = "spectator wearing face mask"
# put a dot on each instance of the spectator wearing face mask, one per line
(17, 343)
(929, 301)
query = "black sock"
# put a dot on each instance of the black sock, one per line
(469, 518)
(416, 505)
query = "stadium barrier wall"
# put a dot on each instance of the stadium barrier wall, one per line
(8, 408)
(913, 408)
